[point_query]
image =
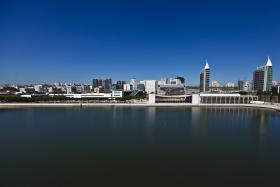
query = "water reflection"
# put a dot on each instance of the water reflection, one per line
(193, 143)
(226, 119)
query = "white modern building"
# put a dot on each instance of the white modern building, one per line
(205, 78)
(38, 88)
(215, 84)
(68, 89)
(127, 87)
(150, 86)
(133, 83)
(229, 84)
(113, 94)
(22, 90)
(276, 83)
(214, 98)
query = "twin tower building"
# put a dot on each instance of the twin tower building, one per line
(262, 78)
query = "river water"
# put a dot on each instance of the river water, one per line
(139, 146)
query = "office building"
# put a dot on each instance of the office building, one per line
(262, 77)
(104, 84)
(205, 78)
(276, 89)
(119, 85)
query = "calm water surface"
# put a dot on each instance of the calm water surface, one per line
(139, 146)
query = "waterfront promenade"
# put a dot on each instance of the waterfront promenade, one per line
(273, 106)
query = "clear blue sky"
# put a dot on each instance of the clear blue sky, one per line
(74, 41)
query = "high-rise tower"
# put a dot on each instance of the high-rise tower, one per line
(262, 77)
(205, 78)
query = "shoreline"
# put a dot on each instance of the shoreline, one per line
(30, 105)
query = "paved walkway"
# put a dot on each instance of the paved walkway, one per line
(21, 105)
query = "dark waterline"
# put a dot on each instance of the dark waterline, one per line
(139, 146)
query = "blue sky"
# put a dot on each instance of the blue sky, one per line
(74, 41)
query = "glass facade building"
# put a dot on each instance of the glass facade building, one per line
(205, 78)
(262, 77)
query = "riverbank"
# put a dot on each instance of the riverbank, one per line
(25, 105)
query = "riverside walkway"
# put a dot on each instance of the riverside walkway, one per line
(273, 106)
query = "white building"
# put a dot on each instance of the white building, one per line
(113, 94)
(38, 88)
(204, 78)
(22, 90)
(229, 84)
(68, 89)
(276, 83)
(215, 84)
(133, 83)
(161, 82)
(150, 86)
(127, 87)
(50, 89)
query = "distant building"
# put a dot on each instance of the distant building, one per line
(133, 83)
(105, 84)
(29, 90)
(22, 90)
(162, 81)
(205, 78)
(98, 90)
(119, 85)
(182, 79)
(68, 89)
(230, 84)
(50, 89)
(244, 85)
(38, 88)
(262, 77)
(127, 87)
(78, 89)
(95, 83)
(141, 87)
(150, 86)
(276, 83)
(171, 86)
(87, 88)
(216, 84)
(276, 89)
(171, 89)
(113, 94)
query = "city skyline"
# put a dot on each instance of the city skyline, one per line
(128, 80)
(47, 41)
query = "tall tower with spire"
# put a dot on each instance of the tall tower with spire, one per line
(262, 77)
(205, 78)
